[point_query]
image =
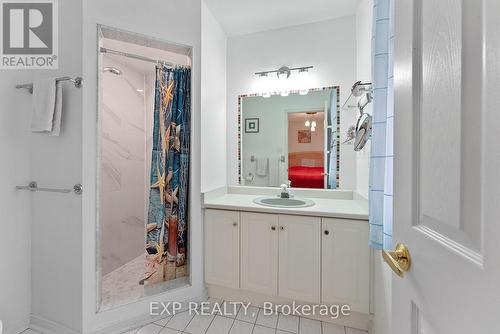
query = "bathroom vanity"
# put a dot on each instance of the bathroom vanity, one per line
(317, 254)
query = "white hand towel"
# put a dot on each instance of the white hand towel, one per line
(262, 164)
(47, 107)
(283, 173)
(274, 166)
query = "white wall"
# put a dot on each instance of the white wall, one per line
(364, 23)
(330, 46)
(174, 21)
(15, 206)
(57, 218)
(213, 102)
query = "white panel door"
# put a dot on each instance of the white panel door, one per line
(346, 263)
(259, 252)
(299, 258)
(222, 235)
(446, 166)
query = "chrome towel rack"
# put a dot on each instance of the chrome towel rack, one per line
(33, 186)
(77, 81)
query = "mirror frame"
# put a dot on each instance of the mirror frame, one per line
(240, 148)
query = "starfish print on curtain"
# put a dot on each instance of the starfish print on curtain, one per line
(166, 229)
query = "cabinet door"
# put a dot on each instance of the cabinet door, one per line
(299, 258)
(259, 252)
(346, 263)
(222, 248)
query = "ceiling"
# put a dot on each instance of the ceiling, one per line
(239, 17)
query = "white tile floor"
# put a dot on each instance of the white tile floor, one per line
(254, 322)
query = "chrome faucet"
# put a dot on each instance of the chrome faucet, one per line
(285, 191)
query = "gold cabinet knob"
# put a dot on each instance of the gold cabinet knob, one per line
(399, 260)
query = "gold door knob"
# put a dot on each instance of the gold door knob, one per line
(399, 260)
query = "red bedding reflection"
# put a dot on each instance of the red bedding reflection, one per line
(306, 177)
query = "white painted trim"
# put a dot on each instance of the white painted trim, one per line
(138, 321)
(355, 320)
(17, 328)
(46, 326)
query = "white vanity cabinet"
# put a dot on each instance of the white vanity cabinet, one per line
(222, 248)
(259, 252)
(346, 263)
(291, 257)
(300, 258)
(280, 255)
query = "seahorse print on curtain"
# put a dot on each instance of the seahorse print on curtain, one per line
(166, 229)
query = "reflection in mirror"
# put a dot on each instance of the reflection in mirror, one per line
(290, 139)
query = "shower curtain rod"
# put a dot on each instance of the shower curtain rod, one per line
(134, 56)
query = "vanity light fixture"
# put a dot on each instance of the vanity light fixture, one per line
(283, 74)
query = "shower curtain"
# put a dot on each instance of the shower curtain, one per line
(166, 229)
(382, 132)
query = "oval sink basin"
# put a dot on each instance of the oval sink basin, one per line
(279, 202)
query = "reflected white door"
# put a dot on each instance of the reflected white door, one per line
(447, 165)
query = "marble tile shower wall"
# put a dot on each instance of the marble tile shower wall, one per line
(123, 176)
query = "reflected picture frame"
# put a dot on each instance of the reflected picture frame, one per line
(251, 125)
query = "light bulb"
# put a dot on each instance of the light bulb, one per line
(308, 123)
(313, 124)
(313, 129)
(264, 85)
(283, 74)
(303, 81)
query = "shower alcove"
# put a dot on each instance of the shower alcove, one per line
(130, 100)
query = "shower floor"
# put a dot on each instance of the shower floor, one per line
(121, 286)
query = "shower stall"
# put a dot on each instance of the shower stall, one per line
(143, 160)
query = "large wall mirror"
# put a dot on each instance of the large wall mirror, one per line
(291, 139)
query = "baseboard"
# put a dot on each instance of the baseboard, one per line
(17, 328)
(354, 320)
(46, 326)
(139, 321)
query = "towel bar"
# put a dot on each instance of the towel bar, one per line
(33, 186)
(77, 81)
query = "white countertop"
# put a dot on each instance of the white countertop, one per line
(332, 204)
